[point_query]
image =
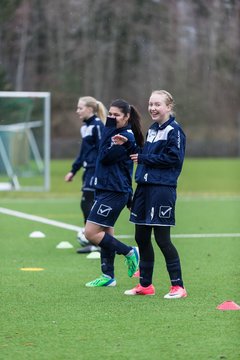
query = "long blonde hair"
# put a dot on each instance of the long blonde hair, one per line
(97, 106)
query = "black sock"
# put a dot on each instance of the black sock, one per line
(174, 270)
(146, 272)
(107, 262)
(112, 244)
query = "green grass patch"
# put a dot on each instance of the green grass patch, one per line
(210, 176)
(52, 315)
(199, 176)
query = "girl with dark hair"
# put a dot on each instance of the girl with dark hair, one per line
(113, 190)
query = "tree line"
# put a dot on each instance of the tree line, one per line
(121, 48)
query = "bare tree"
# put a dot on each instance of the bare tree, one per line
(23, 15)
(112, 49)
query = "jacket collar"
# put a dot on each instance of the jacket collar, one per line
(127, 127)
(169, 121)
(87, 121)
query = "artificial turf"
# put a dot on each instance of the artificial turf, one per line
(50, 314)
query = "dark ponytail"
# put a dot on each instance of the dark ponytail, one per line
(134, 119)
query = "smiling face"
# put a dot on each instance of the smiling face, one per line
(158, 108)
(121, 118)
(84, 112)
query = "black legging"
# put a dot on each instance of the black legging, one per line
(86, 203)
(163, 240)
(162, 237)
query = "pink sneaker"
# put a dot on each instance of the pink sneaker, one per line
(136, 274)
(176, 292)
(140, 290)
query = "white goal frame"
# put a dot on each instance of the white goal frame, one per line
(42, 162)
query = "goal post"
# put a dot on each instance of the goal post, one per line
(25, 140)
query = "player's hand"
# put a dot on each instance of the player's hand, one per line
(134, 158)
(129, 203)
(69, 177)
(119, 139)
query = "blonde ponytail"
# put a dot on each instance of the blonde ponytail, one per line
(97, 106)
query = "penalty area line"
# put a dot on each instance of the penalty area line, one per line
(78, 228)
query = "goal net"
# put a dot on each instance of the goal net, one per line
(24, 141)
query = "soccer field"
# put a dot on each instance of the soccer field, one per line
(50, 314)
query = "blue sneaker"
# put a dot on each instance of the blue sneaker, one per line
(103, 280)
(132, 262)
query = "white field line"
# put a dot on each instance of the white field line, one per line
(181, 197)
(190, 236)
(78, 228)
(39, 219)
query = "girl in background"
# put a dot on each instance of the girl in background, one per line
(92, 115)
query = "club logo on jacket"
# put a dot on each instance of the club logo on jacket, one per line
(104, 210)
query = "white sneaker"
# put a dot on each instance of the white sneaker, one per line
(82, 239)
(176, 292)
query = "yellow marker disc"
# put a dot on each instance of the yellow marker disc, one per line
(31, 269)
